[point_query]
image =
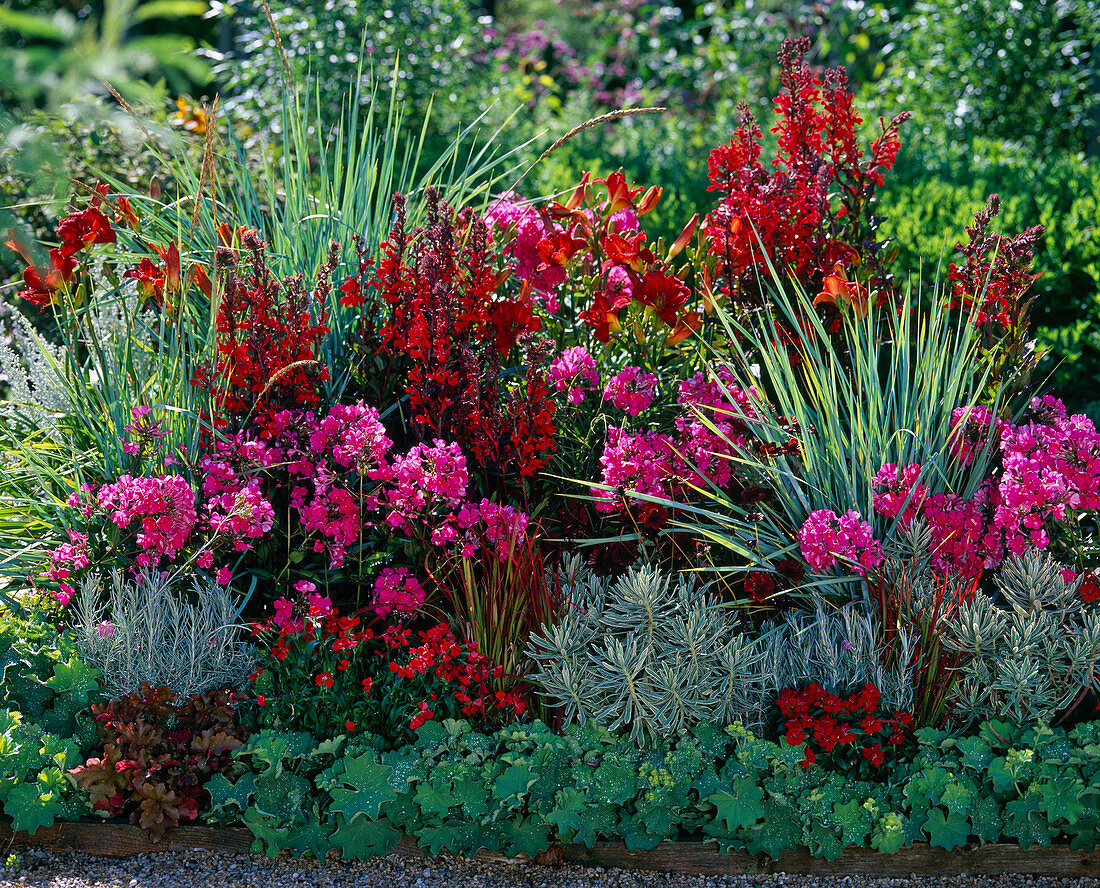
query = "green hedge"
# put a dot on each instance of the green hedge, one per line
(929, 203)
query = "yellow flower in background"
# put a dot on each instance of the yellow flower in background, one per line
(190, 117)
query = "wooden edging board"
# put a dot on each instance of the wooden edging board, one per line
(107, 839)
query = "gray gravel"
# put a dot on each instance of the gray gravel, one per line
(194, 869)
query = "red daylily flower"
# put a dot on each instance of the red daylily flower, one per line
(80, 230)
(170, 255)
(512, 319)
(689, 323)
(619, 194)
(602, 316)
(126, 212)
(150, 278)
(558, 248)
(43, 285)
(837, 289)
(629, 251)
(664, 293)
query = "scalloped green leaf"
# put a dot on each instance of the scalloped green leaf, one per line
(29, 808)
(740, 807)
(361, 839)
(370, 788)
(947, 832)
(74, 679)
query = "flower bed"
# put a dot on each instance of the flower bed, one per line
(502, 526)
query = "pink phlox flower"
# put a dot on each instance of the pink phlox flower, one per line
(632, 390)
(574, 371)
(396, 591)
(897, 488)
(826, 537)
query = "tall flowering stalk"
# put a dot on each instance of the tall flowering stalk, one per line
(810, 215)
(451, 331)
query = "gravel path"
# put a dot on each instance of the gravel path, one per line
(195, 869)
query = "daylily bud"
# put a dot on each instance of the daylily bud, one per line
(649, 200)
(580, 193)
(684, 238)
(202, 280)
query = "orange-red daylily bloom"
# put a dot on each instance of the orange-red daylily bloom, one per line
(837, 289)
(603, 315)
(81, 230)
(43, 285)
(664, 293)
(689, 323)
(619, 194)
(649, 200)
(150, 279)
(558, 248)
(630, 251)
(126, 211)
(682, 241)
(170, 255)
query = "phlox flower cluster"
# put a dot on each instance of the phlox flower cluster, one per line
(354, 436)
(898, 492)
(632, 390)
(499, 529)
(826, 537)
(1051, 465)
(963, 540)
(710, 430)
(395, 591)
(641, 463)
(65, 560)
(574, 371)
(971, 429)
(1049, 469)
(162, 507)
(236, 509)
(712, 402)
(428, 477)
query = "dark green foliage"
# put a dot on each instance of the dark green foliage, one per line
(436, 45)
(35, 788)
(521, 789)
(1014, 71)
(44, 681)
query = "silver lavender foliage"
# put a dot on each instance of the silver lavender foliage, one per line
(150, 629)
(653, 655)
